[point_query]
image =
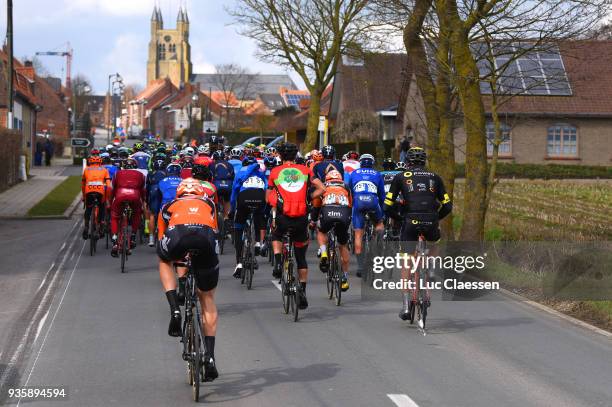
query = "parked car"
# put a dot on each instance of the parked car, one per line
(276, 141)
(257, 140)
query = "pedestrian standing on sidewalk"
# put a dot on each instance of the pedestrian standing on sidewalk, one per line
(38, 153)
(48, 152)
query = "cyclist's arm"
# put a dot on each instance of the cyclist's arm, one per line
(381, 190)
(394, 190)
(446, 206)
(83, 183)
(319, 188)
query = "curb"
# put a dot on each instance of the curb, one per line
(556, 313)
(66, 215)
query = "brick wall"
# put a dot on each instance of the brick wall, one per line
(10, 150)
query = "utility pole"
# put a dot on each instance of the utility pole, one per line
(9, 40)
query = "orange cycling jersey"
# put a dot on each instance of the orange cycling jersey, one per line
(187, 211)
(96, 179)
(336, 193)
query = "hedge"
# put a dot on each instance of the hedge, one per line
(546, 171)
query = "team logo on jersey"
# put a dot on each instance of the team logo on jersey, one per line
(408, 174)
(291, 179)
(193, 210)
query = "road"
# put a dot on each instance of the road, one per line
(103, 338)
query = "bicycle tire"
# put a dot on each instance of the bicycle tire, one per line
(221, 234)
(107, 234)
(285, 293)
(329, 279)
(189, 351)
(337, 282)
(92, 232)
(123, 239)
(251, 267)
(197, 363)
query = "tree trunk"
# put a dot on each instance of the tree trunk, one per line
(312, 131)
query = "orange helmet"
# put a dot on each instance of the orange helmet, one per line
(333, 175)
(316, 155)
(94, 160)
(189, 186)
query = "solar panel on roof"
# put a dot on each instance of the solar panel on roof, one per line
(533, 73)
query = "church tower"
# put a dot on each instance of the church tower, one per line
(169, 50)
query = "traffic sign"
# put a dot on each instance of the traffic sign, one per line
(182, 120)
(210, 127)
(79, 142)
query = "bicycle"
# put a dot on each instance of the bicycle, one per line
(248, 254)
(107, 221)
(222, 232)
(123, 240)
(94, 225)
(192, 330)
(334, 274)
(368, 232)
(420, 299)
(268, 240)
(290, 285)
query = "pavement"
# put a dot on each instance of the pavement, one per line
(102, 336)
(16, 201)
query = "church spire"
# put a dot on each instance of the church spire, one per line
(155, 15)
(181, 15)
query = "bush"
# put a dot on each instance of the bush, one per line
(546, 171)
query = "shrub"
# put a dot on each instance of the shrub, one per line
(546, 171)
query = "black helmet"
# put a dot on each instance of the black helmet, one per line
(201, 172)
(288, 151)
(329, 152)
(218, 155)
(388, 164)
(129, 164)
(416, 156)
(159, 162)
(248, 161)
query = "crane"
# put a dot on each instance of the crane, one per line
(68, 55)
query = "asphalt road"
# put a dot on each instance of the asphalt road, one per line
(104, 340)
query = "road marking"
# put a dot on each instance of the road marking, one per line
(40, 325)
(59, 306)
(277, 285)
(402, 400)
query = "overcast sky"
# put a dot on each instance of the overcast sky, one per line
(112, 36)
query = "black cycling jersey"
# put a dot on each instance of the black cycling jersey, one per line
(422, 191)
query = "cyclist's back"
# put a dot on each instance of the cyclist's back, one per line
(367, 187)
(169, 184)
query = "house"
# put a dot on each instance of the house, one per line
(364, 101)
(565, 119)
(248, 86)
(54, 118)
(25, 103)
(140, 108)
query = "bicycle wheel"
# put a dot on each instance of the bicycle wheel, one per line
(188, 350)
(92, 232)
(337, 281)
(124, 244)
(414, 294)
(107, 232)
(197, 362)
(251, 267)
(329, 279)
(221, 233)
(285, 293)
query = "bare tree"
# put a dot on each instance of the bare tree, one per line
(236, 84)
(308, 36)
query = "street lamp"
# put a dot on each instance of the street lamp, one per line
(195, 98)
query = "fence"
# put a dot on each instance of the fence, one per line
(10, 150)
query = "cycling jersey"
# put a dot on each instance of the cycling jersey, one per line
(112, 170)
(290, 183)
(167, 188)
(210, 191)
(249, 177)
(350, 165)
(423, 192)
(223, 176)
(336, 210)
(128, 186)
(237, 164)
(368, 190)
(96, 179)
(187, 211)
(321, 169)
(142, 159)
(153, 195)
(388, 177)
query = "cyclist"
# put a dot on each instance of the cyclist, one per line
(425, 203)
(189, 222)
(154, 177)
(320, 170)
(390, 170)
(248, 195)
(95, 183)
(141, 157)
(351, 163)
(288, 187)
(368, 189)
(129, 186)
(186, 165)
(168, 185)
(223, 175)
(205, 176)
(335, 214)
(235, 160)
(108, 164)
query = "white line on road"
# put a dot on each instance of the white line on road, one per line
(402, 400)
(40, 325)
(277, 285)
(59, 306)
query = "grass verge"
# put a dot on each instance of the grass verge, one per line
(59, 199)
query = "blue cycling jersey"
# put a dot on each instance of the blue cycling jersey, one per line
(249, 177)
(112, 170)
(222, 170)
(237, 164)
(142, 159)
(368, 190)
(322, 168)
(167, 188)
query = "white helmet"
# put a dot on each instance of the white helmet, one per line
(201, 149)
(189, 151)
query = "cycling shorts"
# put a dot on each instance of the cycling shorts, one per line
(250, 200)
(415, 224)
(365, 203)
(338, 218)
(296, 227)
(179, 240)
(224, 189)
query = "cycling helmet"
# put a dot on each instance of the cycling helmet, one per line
(138, 147)
(344, 157)
(94, 152)
(400, 165)
(113, 152)
(352, 155)
(109, 147)
(187, 162)
(235, 153)
(270, 151)
(94, 160)
(124, 152)
(202, 172)
(201, 149)
(367, 161)
(189, 187)
(388, 164)
(161, 144)
(317, 156)
(189, 151)
(218, 155)
(299, 159)
(257, 153)
(248, 161)
(329, 152)
(333, 175)
(129, 164)
(159, 162)
(288, 151)
(173, 169)
(270, 162)
(106, 159)
(416, 156)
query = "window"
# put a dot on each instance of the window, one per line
(161, 52)
(172, 48)
(505, 147)
(562, 141)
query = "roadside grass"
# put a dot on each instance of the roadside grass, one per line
(552, 211)
(59, 199)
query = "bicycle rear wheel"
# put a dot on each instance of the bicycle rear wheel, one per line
(189, 350)
(250, 270)
(337, 280)
(221, 233)
(124, 244)
(285, 293)
(329, 279)
(196, 362)
(93, 233)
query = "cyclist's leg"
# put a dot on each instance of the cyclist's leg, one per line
(409, 235)
(115, 217)
(277, 243)
(87, 216)
(323, 226)
(240, 217)
(168, 251)
(299, 235)
(358, 224)
(137, 209)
